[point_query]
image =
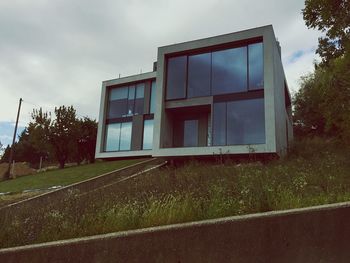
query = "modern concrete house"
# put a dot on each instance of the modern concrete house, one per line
(220, 95)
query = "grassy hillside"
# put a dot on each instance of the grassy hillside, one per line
(62, 177)
(316, 172)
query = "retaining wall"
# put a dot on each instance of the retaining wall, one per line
(316, 234)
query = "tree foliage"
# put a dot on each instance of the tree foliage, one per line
(62, 133)
(322, 105)
(333, 18)
(61, 138)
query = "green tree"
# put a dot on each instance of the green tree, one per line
(86, 140)
(63, 133)
(322, 105)
(333, 18)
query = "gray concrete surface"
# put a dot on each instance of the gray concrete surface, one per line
(316, 234)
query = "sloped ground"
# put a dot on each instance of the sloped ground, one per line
(38, 183)
(21, 169)
(316, 172)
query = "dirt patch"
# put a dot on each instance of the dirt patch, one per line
(21, 169)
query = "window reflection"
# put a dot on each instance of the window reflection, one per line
(199, 67)
(219, 123)
(213, 73)
(118, 102)
(147, 135)
(125, 136)
(239, 122)
(176, 78)
(190, 133)
(112, 137)
(256, 66)
(229, 71)
(139, 101)
(245, 122)
(118, 137)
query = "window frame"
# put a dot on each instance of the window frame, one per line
(211, 49)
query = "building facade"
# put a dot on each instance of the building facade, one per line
(221, 95)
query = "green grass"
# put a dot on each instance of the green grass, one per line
(317, 171)
(62, 177)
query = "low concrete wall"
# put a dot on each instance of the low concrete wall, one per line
(91, 184)
(316, 234)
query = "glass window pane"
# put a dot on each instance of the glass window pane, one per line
(117, 108)
(191, 133)
(246, 122)
(112, 137)
(118, 102)
(131, 100)
(176, 78)
(256, 66)
(139, 101)
(147, 135)
(118, 93)
(229, 71)
(125, 136)
(219, 124)
(199, 68)
(153, 97)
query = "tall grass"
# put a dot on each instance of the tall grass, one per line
(315, 172)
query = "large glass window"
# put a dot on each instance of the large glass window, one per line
(199, 67)
(176, 78)
(147, 135)
(139, 101)
(190, 133)
(118, 102)
(153, 97)
(214, 73)
(126, 101)
(239, 122)
(246, 122)
(112, 137)
(118, 137)
(256, 66)
(229, 71)
(219, 123)
(125, 136)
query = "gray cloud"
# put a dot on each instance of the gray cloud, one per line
(58, 52)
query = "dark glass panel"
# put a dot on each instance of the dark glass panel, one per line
(139, 101)
(245, 122)
(219, 124)
(256, 66)
(118, 101)
(176, 78)
(153, 97)
(147, 135)
(191, 133)
(199, 68)
(112, 137)
(131, 100)
(125, 136)
(229, 71)
(117, 108)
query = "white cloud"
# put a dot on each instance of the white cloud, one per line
(58, 52)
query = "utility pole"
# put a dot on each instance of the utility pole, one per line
(7, 174)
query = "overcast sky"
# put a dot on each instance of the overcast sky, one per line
(58, 52)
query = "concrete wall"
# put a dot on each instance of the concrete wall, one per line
(318, 234)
